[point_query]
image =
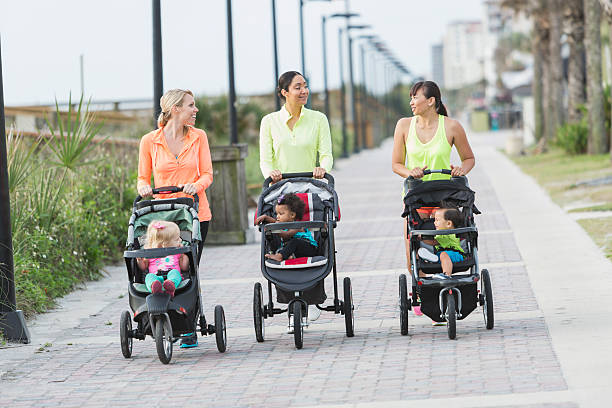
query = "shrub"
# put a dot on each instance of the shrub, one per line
(572, 137)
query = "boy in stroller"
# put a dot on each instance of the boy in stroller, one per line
(448, 247)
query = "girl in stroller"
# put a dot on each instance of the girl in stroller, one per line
(295, 243)
(163, 234)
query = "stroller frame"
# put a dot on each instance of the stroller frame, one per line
(156, 314)
(455, 298)
(298, 306)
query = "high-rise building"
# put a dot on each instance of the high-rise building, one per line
(463, 54)
(437, 64)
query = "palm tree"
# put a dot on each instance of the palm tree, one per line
(606, 6)
(597, 140)
(557, 113)
(574, 28)
(541, 83)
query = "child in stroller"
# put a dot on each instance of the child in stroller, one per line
(295, 243)
(448, 248)
(164, 234)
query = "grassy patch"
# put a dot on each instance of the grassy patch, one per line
(599, 229)
(559, 174)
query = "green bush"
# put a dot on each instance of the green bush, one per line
(572, 137)
(69, 212)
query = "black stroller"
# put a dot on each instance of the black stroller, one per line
(444, 300)
(301, 274)
(157, 315)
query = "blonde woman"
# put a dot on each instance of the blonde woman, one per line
(177, 154)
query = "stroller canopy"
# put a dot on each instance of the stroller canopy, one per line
(432, 193)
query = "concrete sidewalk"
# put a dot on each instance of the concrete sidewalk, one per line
(545, 350)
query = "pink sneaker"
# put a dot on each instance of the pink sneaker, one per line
(169, 287)
(417, 310)
(156, 287)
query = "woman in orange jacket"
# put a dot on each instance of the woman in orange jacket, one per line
(177, 154)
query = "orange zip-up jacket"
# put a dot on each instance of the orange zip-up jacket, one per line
(193, 165)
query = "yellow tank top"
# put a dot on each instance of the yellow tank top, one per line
(434, 154)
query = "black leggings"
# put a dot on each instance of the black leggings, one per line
(203, 232)
(299, 248)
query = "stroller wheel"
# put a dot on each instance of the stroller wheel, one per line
(486, 289)
(451, 315)
(404, 305)
(220, 334)
(125, 332)
(163, 339)
(258, 312)
(349, 318)
(298, 329)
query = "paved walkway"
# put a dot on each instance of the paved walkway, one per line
(550, 346)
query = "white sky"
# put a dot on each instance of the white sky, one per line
(42, 39)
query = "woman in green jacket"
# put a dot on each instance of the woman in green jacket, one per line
(289, 142)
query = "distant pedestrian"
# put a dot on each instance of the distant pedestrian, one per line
(177, 154)
(425, 141)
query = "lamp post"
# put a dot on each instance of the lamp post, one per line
(274, 40)
(342, 86)
(232, 90)
(158, 84)
(324, 50)
(356, 147)
(12, 322)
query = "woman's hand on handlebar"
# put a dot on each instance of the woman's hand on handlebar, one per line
(318, 172)
(189, 188)
(145, 191)
(276, 175)
(457, 171)
(417, 172)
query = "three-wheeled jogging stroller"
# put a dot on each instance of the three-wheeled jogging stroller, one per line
(157, 315)
(443, 300)
(301, 274)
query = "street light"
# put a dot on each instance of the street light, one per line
(342, 87)
(274, 39)
(364, 94)
(158, 82)
(352, 81)
(12, 322)
(232, 89)
(302, 33)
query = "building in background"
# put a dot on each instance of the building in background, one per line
(437, 64)
(463, 54)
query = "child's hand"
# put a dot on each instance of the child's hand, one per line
(264, 219)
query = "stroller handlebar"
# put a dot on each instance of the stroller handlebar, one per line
(167, 190)
(327, 176)
(427, 171)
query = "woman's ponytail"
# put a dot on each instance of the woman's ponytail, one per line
(441, 109)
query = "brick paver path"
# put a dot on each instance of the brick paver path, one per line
(83, 365)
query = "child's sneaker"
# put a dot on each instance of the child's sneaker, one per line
(169, 287)
(440, 276)
(427, 255)
(434, 323)
(156, 286)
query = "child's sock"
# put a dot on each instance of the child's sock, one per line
(156, 286)
(169, 287)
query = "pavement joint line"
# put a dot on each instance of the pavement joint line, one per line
(379, 239)
(371, 272)
(277, 326)
(529, 399)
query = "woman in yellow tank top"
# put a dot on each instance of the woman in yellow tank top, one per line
(425, 141)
